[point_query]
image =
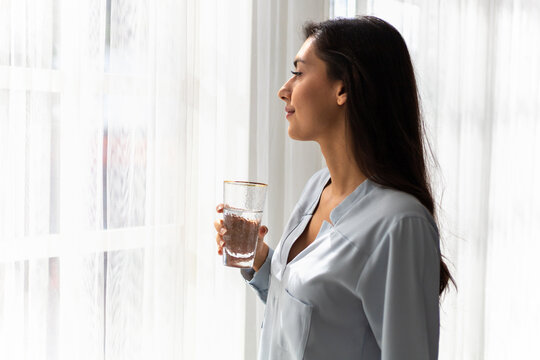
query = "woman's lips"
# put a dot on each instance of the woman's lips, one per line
(289, 112)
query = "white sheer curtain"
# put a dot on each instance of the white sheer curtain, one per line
(119, 119)
(284, 164)
(478, 65)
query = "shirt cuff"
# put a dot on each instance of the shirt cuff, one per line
(259, 279)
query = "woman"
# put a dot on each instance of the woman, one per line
(358, 272)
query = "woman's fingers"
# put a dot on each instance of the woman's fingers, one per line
(219, 208)
(221, 230)
(220, 244)
(219, 240)
(218, 224)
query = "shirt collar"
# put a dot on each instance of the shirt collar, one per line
(344, 206)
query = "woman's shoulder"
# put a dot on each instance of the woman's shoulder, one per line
(380, 209)
(395, 204)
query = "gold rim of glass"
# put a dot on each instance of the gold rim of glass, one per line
(247, 183)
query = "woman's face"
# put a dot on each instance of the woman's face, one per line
(314, 104)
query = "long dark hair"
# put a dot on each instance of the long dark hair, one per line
(384, 122)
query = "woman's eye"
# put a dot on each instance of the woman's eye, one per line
(296, 73)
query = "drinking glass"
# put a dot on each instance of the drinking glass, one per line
(243, 209)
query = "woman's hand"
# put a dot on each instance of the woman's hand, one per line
(262, 249)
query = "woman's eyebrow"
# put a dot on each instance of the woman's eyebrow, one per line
(297, 60)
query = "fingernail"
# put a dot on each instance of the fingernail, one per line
(222, 231)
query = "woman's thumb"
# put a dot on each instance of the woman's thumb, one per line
(263, 230)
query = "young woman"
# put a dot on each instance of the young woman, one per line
(358, 271)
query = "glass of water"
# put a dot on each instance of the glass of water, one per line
(243, 209)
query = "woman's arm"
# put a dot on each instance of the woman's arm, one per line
(399, 288)
(258, 277)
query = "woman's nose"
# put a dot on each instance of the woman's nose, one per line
(284, 93)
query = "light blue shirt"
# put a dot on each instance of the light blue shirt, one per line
(366, 288)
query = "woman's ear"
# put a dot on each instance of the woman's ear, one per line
(341, 96)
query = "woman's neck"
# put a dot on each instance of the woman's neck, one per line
(344, 172)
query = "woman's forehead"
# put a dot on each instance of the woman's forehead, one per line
(307, 45)
(306, 52)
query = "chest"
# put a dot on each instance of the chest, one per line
(306, 238)
(327, 266)
(323, 273)
(322, 213)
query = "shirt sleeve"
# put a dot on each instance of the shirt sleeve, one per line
(260, 280)
(399, 289)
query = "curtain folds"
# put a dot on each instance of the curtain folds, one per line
(478, 73)
(119, 120)
(284, 164)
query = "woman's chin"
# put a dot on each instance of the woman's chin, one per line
(295, 136)
(292, 134)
